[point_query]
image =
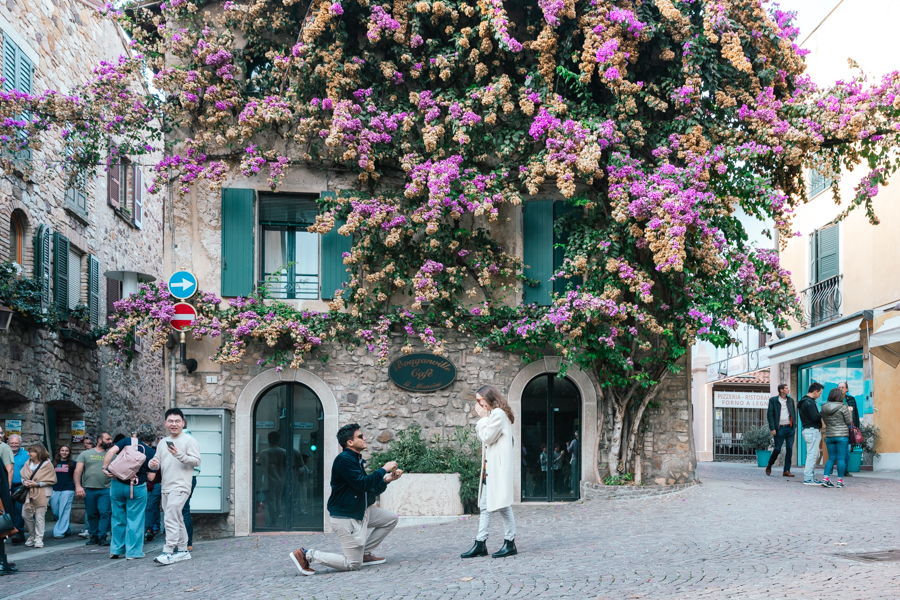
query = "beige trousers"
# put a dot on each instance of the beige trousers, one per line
(357, 539)
(176, 534)
(34, 521)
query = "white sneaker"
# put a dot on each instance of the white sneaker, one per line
(29, 542)
(84, 534)
(164, 559)
(181, 555)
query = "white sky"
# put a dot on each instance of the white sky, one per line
(809, 13)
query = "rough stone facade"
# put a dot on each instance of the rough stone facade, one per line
(65, 39)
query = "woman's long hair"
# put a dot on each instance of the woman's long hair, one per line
(59, 458)
(496, 400)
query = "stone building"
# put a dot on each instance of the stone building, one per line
(85, 247)
(227, 238)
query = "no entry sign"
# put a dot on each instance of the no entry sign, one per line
(185, 314)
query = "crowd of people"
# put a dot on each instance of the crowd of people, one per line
(837, 421)
(124, 483)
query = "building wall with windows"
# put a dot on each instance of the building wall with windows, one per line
(69, 239)
(848, 272)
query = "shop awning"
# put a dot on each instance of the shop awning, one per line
(885, 343)
(820, 339)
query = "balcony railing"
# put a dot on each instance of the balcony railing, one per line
(302, 287)
(822, 302)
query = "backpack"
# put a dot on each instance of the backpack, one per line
(129, 461)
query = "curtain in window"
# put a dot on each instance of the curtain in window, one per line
(276, 258)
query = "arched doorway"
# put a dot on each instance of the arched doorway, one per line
(288, 460)
(551, 440)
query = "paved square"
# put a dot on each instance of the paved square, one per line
(738, 535)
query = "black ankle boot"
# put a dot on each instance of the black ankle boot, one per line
(479, 549)
(508, 549)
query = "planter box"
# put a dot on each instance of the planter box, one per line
(855, 462)
(423, 495)
(762, 457)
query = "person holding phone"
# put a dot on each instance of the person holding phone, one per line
(176, 457)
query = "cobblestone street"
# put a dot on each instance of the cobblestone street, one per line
(738, 535)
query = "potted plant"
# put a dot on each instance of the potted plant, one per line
(871, 434)
(759, 440)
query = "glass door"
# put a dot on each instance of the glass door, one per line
(288, 467)
(830, 372)
(551, 444)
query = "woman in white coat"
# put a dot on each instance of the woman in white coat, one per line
(495, 494)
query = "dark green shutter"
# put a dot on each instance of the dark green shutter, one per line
(560, 240)
(537, 236)
(18, 73)
(94, 289)
(237, 242)
(61, 273)
(813, 255)
(42, 262)
(828, 244)
(10, 64)
(334, 271)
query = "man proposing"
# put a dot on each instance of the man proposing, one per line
(360, 526)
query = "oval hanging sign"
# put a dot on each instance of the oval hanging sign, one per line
(422, 372)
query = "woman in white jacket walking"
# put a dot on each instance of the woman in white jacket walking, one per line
(495, 494)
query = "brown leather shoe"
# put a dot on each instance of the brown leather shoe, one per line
(788, 474)
(298, 557)
(370, 559)
(768, 470)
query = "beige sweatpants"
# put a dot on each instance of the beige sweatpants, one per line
(34, 517)
(357, 539)
(176, 534)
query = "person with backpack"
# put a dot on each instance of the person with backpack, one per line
(127, 465)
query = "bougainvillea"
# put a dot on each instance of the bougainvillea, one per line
(657, 121)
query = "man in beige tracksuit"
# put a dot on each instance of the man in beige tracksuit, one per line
(176, 457)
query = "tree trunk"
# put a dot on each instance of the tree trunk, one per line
(597, 443)
(639, 416)
(615, 440)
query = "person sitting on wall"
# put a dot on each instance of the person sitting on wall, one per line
(782, 416)
(360, 526)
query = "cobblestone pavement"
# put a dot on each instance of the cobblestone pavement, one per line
(738, 535)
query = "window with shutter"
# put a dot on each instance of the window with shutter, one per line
(334, 246)
(818, 183)
(18, 73)
(61, 273)
(138, 181)
(537, 237)
(76, 201)
(560, 240)
(827, 253)
(113, 295)
(114, 186)
(75, 277)
(94, 289)
(237, 242)
(42, 262)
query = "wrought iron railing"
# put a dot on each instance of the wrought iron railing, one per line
(303, 286)
(822, 301)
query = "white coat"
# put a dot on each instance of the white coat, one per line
(496, 435)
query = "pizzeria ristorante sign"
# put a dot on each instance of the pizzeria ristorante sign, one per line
(422, 372)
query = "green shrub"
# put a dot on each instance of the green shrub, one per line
(871, 434)
(457, 453)
(623, 479)
(759, 438)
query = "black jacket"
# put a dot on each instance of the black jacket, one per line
(352, 491)
(851, 402)
(774, 412)
(809, 413)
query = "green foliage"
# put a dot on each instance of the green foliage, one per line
(458, 453)
(23, 295)
(623, 479)
(81, 313)
(872, 435)
(757, 439)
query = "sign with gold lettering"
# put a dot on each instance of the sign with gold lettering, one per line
(422, 372)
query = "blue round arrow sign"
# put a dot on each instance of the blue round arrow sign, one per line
(182, 285)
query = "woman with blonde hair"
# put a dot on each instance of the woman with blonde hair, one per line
(495, 494)
(38, 476)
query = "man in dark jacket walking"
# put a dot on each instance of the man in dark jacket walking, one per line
(360, 526)
(811, 422)
(782, 416)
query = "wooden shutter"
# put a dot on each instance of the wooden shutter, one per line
(828, 255)
(560, 240)
(333, 270)
(42, 262)
(10, 64)
(138, 181)
(113, 295)
(813, 256)
(61, 273)
(237, 242)
(94, 289)
(537, 235)
(114, 185)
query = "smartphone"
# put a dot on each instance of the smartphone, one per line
(170, 444)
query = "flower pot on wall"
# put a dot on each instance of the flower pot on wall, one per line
(423, 495)
(762, 457)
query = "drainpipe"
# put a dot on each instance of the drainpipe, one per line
(174, 361)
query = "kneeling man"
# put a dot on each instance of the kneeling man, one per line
(360, 526)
